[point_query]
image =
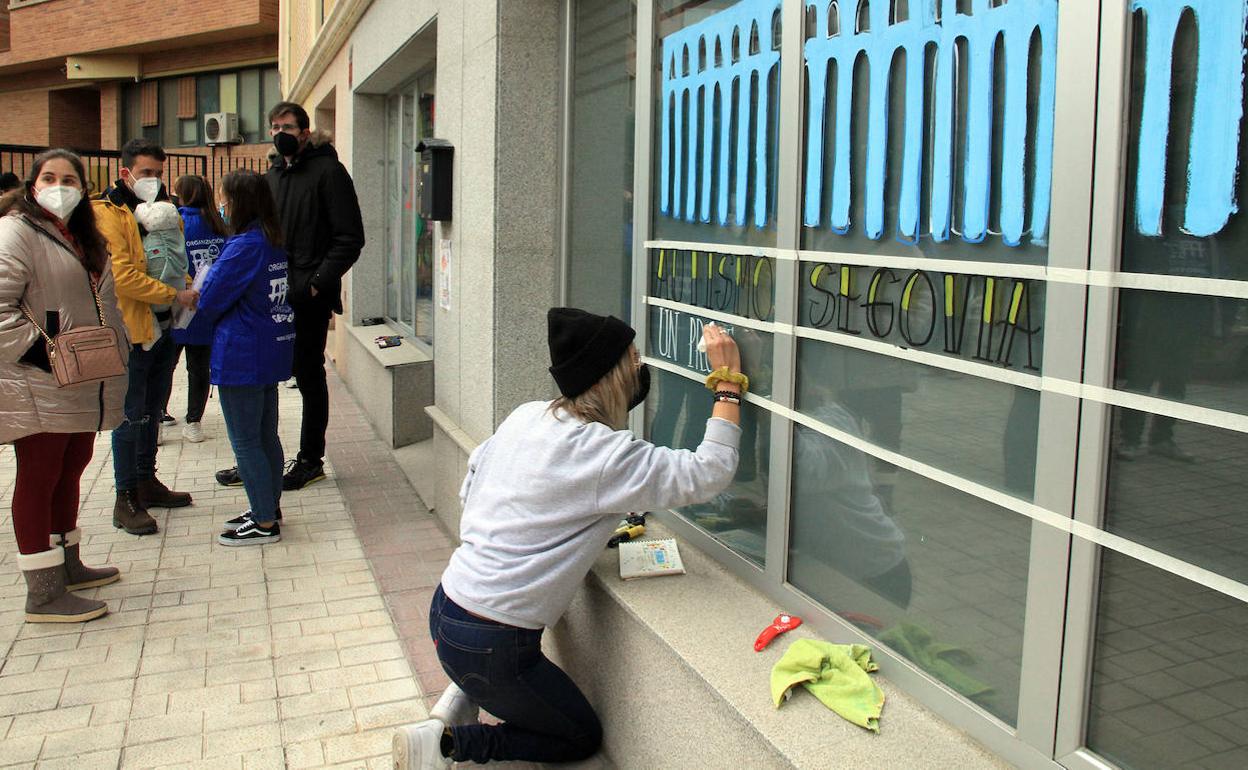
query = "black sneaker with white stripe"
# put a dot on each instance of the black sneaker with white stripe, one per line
(233, 524)
(251, 533)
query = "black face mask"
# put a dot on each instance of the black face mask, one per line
(286, 144)
(643, 387)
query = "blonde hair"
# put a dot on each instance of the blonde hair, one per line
(606, 401)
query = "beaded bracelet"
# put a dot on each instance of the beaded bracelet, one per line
(729, 396)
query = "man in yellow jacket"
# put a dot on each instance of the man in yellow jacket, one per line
(152, 355)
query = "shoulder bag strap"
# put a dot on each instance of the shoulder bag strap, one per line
(99, 307)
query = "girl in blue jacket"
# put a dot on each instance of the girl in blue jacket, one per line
(205, 237)
(253, 335)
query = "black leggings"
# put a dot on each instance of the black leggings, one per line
(197, 358)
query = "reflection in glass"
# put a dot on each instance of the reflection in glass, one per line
(423, 324)
(676, 415)
(600, 177)
(1180, 347)
(1162, 233)
(715, 136)
(1183, 495)
(409, 214)
(1169, 684)
(979, 429)
(937, 575)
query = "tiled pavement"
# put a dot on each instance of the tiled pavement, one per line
(304, 653)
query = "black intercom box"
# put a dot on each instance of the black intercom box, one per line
(436, 171)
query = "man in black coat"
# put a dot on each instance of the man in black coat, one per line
(324, 234)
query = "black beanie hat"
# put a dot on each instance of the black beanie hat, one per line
(584, 347)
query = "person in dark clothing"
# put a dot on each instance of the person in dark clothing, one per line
(323, 233)
(9, 181)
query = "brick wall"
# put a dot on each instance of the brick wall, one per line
(208, 57)
(68, 27)
(25, 118)
(74, 118)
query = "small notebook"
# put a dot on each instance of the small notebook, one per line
(650, 558)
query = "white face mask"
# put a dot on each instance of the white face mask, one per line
(59, 201)
(147, 188)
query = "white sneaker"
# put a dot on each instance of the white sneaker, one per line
(160, 434)
(455, 708)
(419, 747)
(193, 432)
(292, 383)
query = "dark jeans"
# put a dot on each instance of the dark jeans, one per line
(251, 423)
(502, 668)
(311, 330)
(197, 361)
(134, 441)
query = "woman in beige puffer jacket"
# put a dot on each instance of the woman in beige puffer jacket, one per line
(51, 255)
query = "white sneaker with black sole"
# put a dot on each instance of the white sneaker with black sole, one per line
(251, 533)
(233, 524)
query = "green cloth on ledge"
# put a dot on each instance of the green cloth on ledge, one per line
(836, 674)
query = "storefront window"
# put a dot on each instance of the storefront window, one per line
(600, 174)
(409, 237)
(676, 415)
(993, 321)
(937, 575)
(932, 137)
(717, 70)
(1168, 683)
(978, 429)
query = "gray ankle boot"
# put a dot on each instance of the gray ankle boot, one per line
(77, 574)
(47, 601)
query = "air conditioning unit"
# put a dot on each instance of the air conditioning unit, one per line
(221, 128)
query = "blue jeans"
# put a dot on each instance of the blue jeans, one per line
(251, 422)
(545, 716)
(150, 376)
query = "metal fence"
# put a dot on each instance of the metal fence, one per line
(104, 166)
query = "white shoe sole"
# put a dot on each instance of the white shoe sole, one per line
(254, 541)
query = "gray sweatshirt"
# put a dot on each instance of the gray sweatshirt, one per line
(543, 495)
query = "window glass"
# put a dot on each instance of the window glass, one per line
(424, 228)
(1185, 150)
(1183, 347)
(272, 89)
(978, 429)
(600, 198)
(676, 414)
(995, 321)
(394, 208)
(1179, 487)
(188, 131)
(250, 116)
(207, 94)
(716, 82)
(229, 91)
(937, 575)
(169, 128)
(408, 213)
(674, 337)
(132, 112)
(1169, 687)
(916, 152)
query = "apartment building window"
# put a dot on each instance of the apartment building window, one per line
(171, 110)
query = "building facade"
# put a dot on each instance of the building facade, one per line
(980, 259)
(92, 75)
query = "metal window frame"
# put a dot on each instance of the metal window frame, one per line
(1082, 277)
